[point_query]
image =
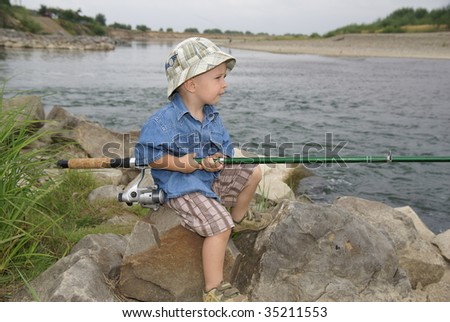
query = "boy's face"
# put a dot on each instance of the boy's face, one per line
(210, 86)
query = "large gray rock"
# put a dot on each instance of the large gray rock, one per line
(163, 261)
(323, 253)
(96, 140)
(442, 241)
(421, 261)
(81, 276)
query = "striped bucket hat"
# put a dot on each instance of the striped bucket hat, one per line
(193, 57)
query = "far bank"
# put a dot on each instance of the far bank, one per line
(405, 45)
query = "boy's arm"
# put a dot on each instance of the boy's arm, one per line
(187, 164)
(184, 164)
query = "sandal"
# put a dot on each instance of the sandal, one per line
(225, 292)
(253, 222)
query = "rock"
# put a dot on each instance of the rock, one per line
(422, 263)
(30, 110)
(100, 142)
(316, 187)
(442, 241)
(438, 292)
(105, 192)
(143, 237)
(164, 219)
(422, 229)
(163, 261)
(106, 176)
(80, 276)
(95, 140)
(272, 185)
(107, 250)
(310, 252)
(324, 253)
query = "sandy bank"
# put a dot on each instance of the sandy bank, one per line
(412, 45)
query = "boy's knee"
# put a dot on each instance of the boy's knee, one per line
(257, 174)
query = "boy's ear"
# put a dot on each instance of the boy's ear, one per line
(189, 85)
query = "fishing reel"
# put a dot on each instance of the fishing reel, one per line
(147, 197)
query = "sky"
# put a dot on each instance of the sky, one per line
(277, 17)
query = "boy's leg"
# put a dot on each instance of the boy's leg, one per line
(240, 208)
(236, 187)
(208, 218)
(213, 257)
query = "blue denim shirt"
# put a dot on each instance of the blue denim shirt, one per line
(173, 130)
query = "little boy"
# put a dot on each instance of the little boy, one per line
(189, 127)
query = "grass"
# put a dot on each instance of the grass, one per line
(41, 218)
(25, 221)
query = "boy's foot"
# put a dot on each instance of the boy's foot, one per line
(253, 222)
(224, 293)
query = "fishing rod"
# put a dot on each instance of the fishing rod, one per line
(153, 197)
(94, 163)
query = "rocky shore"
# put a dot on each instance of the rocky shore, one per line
(350, 250)
(10, 38)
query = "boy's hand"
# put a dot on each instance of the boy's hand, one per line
(188, 163)
(210, 164)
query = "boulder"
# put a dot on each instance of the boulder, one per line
(94, 139)
(323, 253)
(442, 241)
(421, 261)
(422, 229)
(82, 276)
(165, 264)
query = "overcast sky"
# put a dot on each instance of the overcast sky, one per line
(269, 16)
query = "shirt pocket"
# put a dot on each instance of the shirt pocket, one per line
(186, 143)
(216, 142)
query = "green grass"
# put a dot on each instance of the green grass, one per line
(42, 217)
(25, 222)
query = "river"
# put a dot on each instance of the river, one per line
(279, 105)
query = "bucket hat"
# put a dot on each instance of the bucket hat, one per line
(192, 57)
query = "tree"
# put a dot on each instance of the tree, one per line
(213, 31)
(101, 19)
(191, 30)
(142, 28)
(5, 2)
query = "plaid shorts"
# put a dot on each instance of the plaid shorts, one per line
(208, 216)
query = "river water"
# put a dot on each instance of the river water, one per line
(279, 105)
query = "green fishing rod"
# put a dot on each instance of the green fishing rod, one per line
(153, 197)
(93, 163)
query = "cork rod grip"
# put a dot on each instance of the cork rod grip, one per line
(96, 163)
(89, 163)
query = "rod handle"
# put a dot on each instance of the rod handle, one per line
(96, 163)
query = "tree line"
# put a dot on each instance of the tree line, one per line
(402, 20)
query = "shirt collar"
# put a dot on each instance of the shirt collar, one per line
(181, 109)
